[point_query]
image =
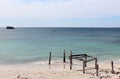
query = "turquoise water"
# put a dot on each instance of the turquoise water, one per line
(24, 45)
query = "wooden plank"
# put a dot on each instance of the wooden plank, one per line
(77, 57)
(90, 60)
(81, 59)
(80, 55)
(90, 56)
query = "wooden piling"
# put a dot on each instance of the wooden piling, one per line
(64, 57)
(50, 58)
(71, 61)
(97, 69)
(85, 60)
(83, 67)
(95, 63)
(112, 66)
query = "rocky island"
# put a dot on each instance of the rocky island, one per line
(10, 27)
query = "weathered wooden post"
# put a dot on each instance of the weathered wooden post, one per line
(83, 67)
(112, 67)
(71, 60)
(95, 63)
(97, 69)
(85, 60)
(50, 58)
(64, 57)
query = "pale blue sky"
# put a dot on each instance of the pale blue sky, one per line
(60, 13)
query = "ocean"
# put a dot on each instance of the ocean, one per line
(25, 45)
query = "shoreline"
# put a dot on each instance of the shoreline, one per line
(59, 70)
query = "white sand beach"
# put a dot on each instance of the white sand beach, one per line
(58, 70)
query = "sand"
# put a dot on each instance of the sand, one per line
(59, 70)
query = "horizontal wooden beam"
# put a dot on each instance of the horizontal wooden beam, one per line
(81, 59)
(80, 55)
(90, 56)
(90, 60)
(77, 57)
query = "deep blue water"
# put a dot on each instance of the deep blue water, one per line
(34, 44)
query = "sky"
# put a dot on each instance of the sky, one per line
(60, 13)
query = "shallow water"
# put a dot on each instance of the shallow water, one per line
(24, 45)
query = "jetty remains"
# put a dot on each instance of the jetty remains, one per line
(84, 58)
(81, 57)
